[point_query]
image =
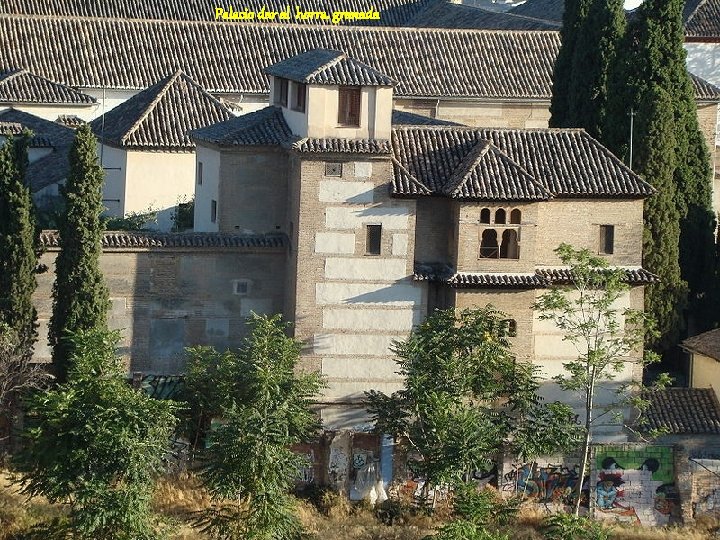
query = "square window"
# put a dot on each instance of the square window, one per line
(373, 240)
(607, 239)
(349, 106)
(281, 92)
(333, 169)
(299, 97)
(241, 287)
(213, 211)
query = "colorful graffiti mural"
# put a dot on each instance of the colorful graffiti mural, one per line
(636, 485)
(544, 482)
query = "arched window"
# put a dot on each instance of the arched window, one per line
(500, 216)
(509, 248)
(515, 217)
(489, 244)
(485, 215)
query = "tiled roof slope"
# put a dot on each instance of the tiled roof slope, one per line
(550, 10)
(692, 411)
(442, 14)
(146, 240)
(21, 86)
(392, 12)
(707, 344)
(264, 127)
(230, 58)
(161, 116)
(702, 20)
(342, 146)
(406, 118)
(54, 167)
(704, 90)
(323, 66)
(563, 163)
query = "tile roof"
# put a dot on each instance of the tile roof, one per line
(341, 146)
(146, 240)
(561, 163)
(70, 120)
(21, 86)
(54, 167)
(324, 66)
(702, 20)
(540, 279)
(10, 128)
(160, 117)
(392, 12)
(707, 344)
(230, 58)
(692, 411)
(635, 276)
(406, 118)
(704, 90)
(264, 127)
(443, 14)
(550, 10)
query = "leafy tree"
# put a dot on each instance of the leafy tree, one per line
(591, 33)
(80, 297)
(132, 221)
(94, 444)
(605, 336)
(466, 398)
(265, 407)
(18, 262)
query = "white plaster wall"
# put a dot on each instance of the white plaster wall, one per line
(390, 217)
(705, 373)
(366, 269)
(51, 112)
(322, 113)
(107, 99)
(703, 59)
(405, 293)
(352, 192)
(371, 319)
(159, 180)
(114, 163)
(353, 345)
(209, 190)
(327, 242)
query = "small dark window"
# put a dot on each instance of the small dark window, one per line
(515, 217)
(281, 92)
(509, 248)
(607, 239)
(510, 327)
(485, 215)
(199, 173)
(489, 244)
(299, 98)
(373, 240)
(333, 168)
(213, 211)
(500, 216)
(349, 106)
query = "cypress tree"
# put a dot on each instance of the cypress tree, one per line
(573, 19)
(595, 51)
(80, 297)
(664, 301)
(18, 260)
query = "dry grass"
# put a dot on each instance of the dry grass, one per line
(328, 517)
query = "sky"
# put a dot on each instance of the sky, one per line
(632, 4)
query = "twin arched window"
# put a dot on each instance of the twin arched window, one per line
(500, 242)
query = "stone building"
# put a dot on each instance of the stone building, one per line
(387, 221)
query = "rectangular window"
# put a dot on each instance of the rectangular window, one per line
(349, 106)
(607, 239)
(373, 239)
(199, 173)
(299, 97)
(281, 92)
(333, 168)
(213, 211)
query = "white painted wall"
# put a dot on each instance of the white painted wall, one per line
(209, 190)
(51, 112)
(107, 99)
(114, 164)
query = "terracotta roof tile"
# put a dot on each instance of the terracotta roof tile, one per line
(324, 66)
(264, 127)
(635, 276)
(392, 12)
(707, 344)
(342, 146)
(683, 411)
(704, 90)
(70, 120)
(21, 86)
(702, 19)
(443, 14)
(561, 163)
(147, 240)
(160, 117)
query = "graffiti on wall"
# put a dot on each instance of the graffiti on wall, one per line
(636, 485)
(706, 486)
(544, 482)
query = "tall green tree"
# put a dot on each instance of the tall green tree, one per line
(265, 406)
(606, 336)
(656, 152)
(95, 445)
(18, 259)
(80, 296)
(466, 398)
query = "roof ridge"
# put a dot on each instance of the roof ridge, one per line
(163, 90)
(423, 188)
(471, 159)
(694, 12)
(12, 73)
(327, 65)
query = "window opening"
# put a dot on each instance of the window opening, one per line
(373, 239)
(489, 244)
(349, 106)
(515, 217)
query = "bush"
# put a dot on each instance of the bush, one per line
(570, 527)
